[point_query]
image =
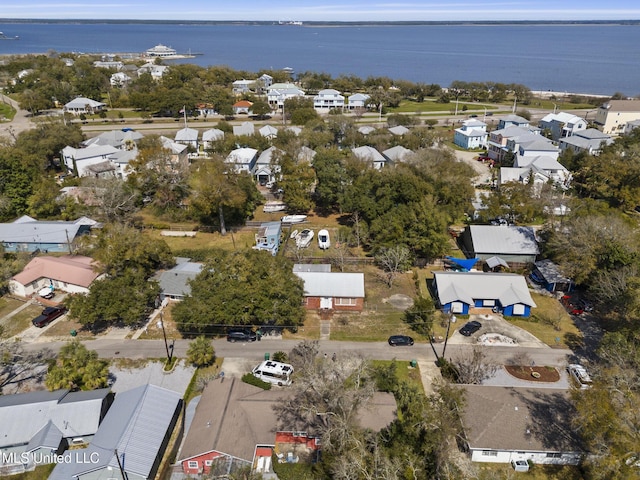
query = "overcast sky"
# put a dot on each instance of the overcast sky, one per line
(334, 10)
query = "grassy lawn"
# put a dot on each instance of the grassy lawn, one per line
(8, 305)
(40, 473)
(21, 321)
(231, 241)
(404, 371)
(63, 327)
(379, 319)
(431, 106)
(6, 111)
(563, 334)
(495, 471)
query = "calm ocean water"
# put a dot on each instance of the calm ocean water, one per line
(599, 59)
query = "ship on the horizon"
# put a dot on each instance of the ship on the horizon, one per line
(4, 37)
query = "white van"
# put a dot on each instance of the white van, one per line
(323, 239)
(274, 372)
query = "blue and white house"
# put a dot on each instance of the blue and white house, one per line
(268, 237)
(357, 100)
(27, 234)
(328, 99)
(472, 134)
(460, 292)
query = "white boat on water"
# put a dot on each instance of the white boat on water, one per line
(293, 218)
(324, 241)
(303, 239)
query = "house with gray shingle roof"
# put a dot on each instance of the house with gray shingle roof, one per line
(590, 141)
(242, 159)
(245, 128)
(370, 155)
(187, 136)
(502, 424)
(460, 292)
(138, 427)
(397, 154)
(174, 283)
(83, 105)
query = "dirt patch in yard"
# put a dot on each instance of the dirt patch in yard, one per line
(534, 374)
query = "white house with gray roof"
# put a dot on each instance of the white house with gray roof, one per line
(187, 136)
(266, 167)
(397, 154)
(279, 92)
(27, 234)
(35, 424)
(459, 292)
(328, 99)
(210, 136)
(371, 156)
(511, 243)
(245, 128)
(512, 121)
(472, 134)
(242, 159)
(590, 140)
(562, 124)
(175, 282)
(138, 427)
(83, 105)
(357, 100)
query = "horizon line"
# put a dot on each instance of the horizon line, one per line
(318, 21)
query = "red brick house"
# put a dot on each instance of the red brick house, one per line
(332, 290)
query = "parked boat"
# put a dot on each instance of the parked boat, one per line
(293, 218)
(294, 234)
(303, 240)
(4, 37)
(324, 241)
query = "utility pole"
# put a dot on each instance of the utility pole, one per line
(122, 472)
(164, 334)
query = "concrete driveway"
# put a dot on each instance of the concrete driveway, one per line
(495, 323)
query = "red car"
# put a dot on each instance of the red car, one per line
(572, 307)
(48, 315)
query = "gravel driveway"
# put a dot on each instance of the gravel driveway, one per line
(495, 323)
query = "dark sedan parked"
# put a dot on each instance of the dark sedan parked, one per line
(470, 328)
(400, 340)
(48, 315)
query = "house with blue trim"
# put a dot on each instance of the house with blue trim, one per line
(461, 292)
(27, 234)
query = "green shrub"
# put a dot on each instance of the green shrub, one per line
(280, 356)
(255, 381)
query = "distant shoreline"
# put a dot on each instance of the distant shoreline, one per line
(315, 23)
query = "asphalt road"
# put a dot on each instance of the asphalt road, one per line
(136, 349)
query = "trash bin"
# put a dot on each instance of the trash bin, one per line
(267, 356)
(413, 363)
(73, 333)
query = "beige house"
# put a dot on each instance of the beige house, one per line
(612, 117)
(71, 274)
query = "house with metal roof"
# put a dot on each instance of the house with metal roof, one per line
(397, 154)
(27, 234)
(472, 134)
(357, 100)
(497, 144)
(83, 105)
(511, 243)
(242, 159)
(187, 136)
(399, 130)
(328, 99)
(590, 140)
(562, 124)
(278, 93)
(210, 136)
(174, 283)
(35, 424)
(371, 156)
(502, 424)
(245, 128)
(333, 290)
(512, 121)
(460, 292)
(266, 167)
(131, 440)
(70, 273)
(124, 139)
(548, 274)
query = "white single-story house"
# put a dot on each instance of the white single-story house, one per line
(70, 273)
(333, 290)
(187, 136)
(242, 106)
(179, 151)
(83, 105)
(245, 128)
(119, 79)
(268, 131)
(27, 234)
(502, 424)
(266, 167)
(210, 136)
(511, 243)
(397, 154)
(459, 292)
(399, 130)
(366, 129)
(174, 283)
(243, 86)
(370, 155)
(124, 139)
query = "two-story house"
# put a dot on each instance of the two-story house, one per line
(562, 124)
(472, 134)
(613, 115)
(328, 99)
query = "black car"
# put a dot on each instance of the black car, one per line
(241, 335)
(470, 328)
(47, 316)
(400, 340)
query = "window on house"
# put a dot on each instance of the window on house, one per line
(208, 463)
(344, 301)
(554, 455)
(192, 464)
(489, 453)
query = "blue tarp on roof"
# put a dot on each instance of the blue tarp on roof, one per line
(464, 263)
